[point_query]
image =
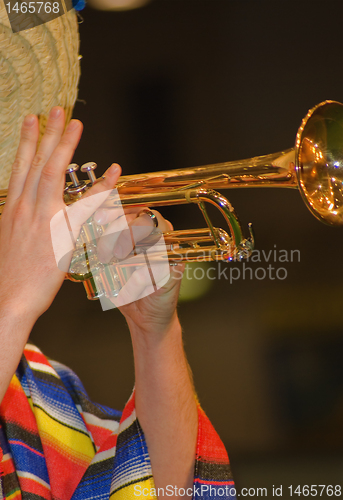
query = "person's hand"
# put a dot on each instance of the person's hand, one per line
(29, 274)
(148, 299)
(155, 314)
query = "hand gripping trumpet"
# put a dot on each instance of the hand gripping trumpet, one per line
(314, 166)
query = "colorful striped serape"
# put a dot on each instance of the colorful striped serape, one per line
(57, 444)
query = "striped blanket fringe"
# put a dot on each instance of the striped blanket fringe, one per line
(56, 444)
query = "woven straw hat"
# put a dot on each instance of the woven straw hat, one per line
(39, 68)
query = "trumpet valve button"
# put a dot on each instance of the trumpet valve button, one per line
(89, 168)
(71, 170)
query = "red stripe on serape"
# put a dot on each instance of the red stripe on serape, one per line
(64, 473)
(99, 434)
(129, 408)
(37, 357)
(28, 485)
(110, 441)
(8, 466)
(214, 483)
(209, 446)
(16, 409)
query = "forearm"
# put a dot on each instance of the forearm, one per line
(165, 405)
(15, 329)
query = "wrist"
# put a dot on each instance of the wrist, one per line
(157, 334)
(15, 329)
(17, 312)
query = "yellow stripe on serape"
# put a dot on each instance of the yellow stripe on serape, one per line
(73, 444)
(13, 496)
(29, 399)
(15, 383)
(142, 490)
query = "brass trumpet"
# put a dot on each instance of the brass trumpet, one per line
(314, 166)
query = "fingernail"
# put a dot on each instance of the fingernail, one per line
(29, 120)
(73, 125)
(55, 113)
(113, 169)
(100, 217)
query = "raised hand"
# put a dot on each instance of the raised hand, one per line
(29, 274)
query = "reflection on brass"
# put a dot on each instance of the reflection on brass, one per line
(314, 166)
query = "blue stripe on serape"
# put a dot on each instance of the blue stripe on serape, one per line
(28, 461)
(96, 479)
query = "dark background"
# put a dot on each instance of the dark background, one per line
(181, 83)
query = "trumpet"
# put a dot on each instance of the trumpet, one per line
(314, 166)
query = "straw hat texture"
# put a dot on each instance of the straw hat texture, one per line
(39, 68)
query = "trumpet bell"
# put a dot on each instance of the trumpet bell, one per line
(319, 161)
